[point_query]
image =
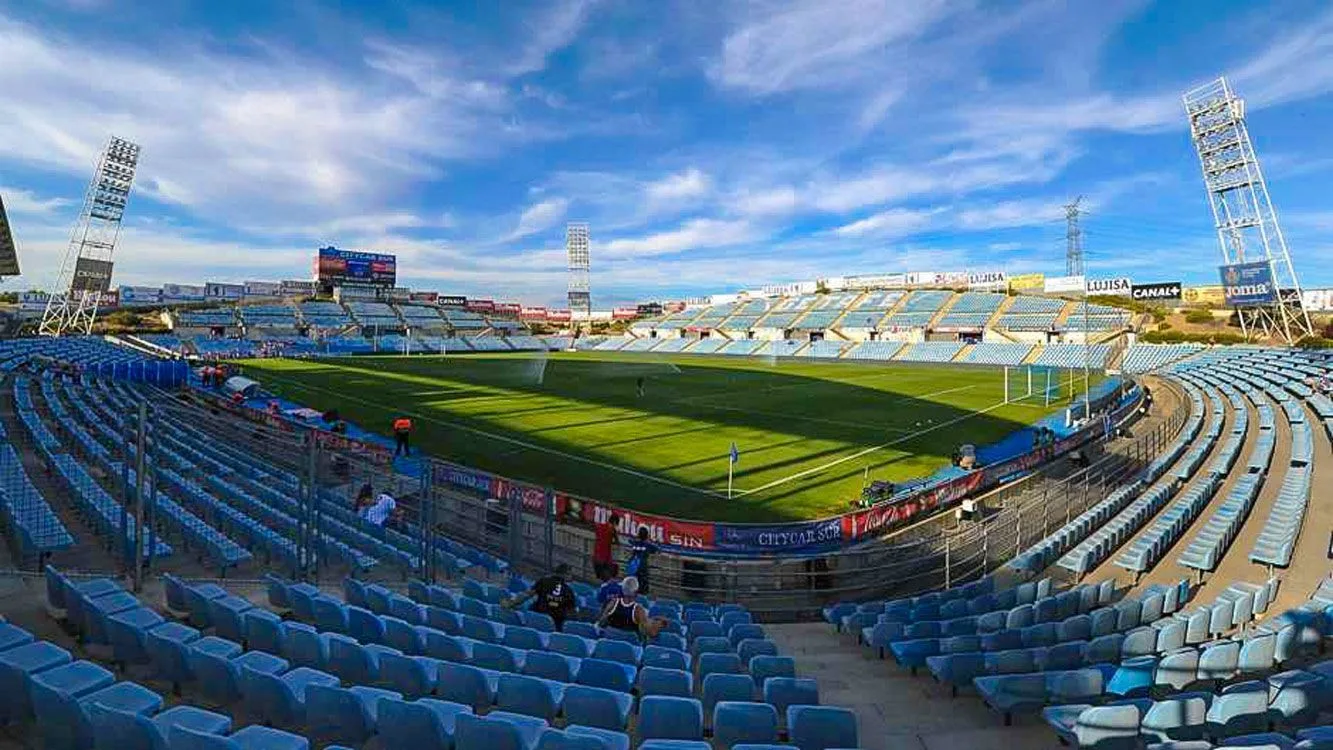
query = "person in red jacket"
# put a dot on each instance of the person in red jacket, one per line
(402, 430)
(604, 541)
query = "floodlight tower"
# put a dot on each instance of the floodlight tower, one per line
(1073, 239)
(1247, 226)
(576, 247)
(86, 271)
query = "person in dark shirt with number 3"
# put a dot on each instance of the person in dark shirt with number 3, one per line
(554, 597)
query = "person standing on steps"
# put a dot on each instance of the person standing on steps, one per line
(639, 551)
(604, 541)
(402, 431)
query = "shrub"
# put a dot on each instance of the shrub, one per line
(1199, 317)
(1164, 326)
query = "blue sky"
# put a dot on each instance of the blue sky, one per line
(712, 145)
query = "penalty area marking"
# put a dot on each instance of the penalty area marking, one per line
(866, 451)
(506, 439)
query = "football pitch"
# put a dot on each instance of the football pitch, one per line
(808, 434)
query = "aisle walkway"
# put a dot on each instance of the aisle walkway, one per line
(896, 710)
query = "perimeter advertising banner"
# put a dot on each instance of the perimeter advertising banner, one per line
(336, 267)
(140, 296)
(559, 316)
(427, 297)
(182, 293)
(295, 288)
(481, 305)
(1027, 282)
(986, 280)
(1120, 287)
(263, 289)
(508, 308)
(625, 313)
(223, 291)
(1317, 300)
(1164, 291)
(1065, 285)
(533, 313)
(9, 256)
(1248, 284)
(452, 300)
(1203, 295)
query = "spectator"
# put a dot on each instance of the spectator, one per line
(610, 588)
(364, 498)
(603, 566)
(626, 613)
(402, 429)
(554, 597)
(639, 551)
(382, 510)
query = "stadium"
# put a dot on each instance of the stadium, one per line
(960, 508)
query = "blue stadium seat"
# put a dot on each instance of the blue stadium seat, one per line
(424, 724)
(736, 722)
(597, 707)
(821, 727)
(344, 715)
(670, 718)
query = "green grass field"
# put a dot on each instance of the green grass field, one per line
(808, 432)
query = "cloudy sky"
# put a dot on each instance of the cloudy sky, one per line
(711, 144)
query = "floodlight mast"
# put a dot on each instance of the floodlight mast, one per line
(85, 272)
(1243, 213)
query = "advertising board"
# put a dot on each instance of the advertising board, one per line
(987, 281)
(91, 275)
(297, 288)
(182, 293)
(429, 298)
(481, 305)
(1064, 284)
(1203, 295)
(1163, 291)
(452, 300)
(263, 289)
(334, 267)
(1248, 284)
(1121, 286)
(140, 296)
(215, 290)
(624, 313)
(1028, 282)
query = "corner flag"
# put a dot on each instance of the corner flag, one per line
(735, 454)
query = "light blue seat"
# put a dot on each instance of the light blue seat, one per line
(667, 658)
(583, 630)
(497, 657)
(1176, 717)
(524, 638)
(447, 647)
(227, 614)
(597, 707)
(539, 621)
(413, 676)
(444, 620)
(530, 696)
(1256, 653)
(281, 699)
(606, 674)
(354, 592)
(128, 633)
(1295, 698)
(610, 740)
(1013, 661)
(402, 635)
(467, 685)
(763, 667)
(125, 730)
(1240, 709)
(304, 646)
(1012, 693)
(949, 669)
(665, 717)
(569, 645)
(250, 738)
(1133, 678)
(613, 650)
(550, 665)
(407, 610)
(263, 631)
(1104, 649)
(479, 629)
(61, 699)
(197, 596)
(1218, 661)
(781, 692)
(736, 722)
(726, 687)
(1064, 656)
(661, 681)
(1178, 669)
(1140, 641)
(354, 663)
(168, 648)
(425, 724)
(498, 730)
(821, 727)
(745, 631)
(344, 715)
(1170, 635)
(17, 666)
(219, 675)
(1074, 685)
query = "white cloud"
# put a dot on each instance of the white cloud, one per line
(695, 234)
(1010, 214)
(820, 42)
(689, 185)
(777, 201)
(18, 202)
(895, 222)
(549, 33)
(539, 217)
